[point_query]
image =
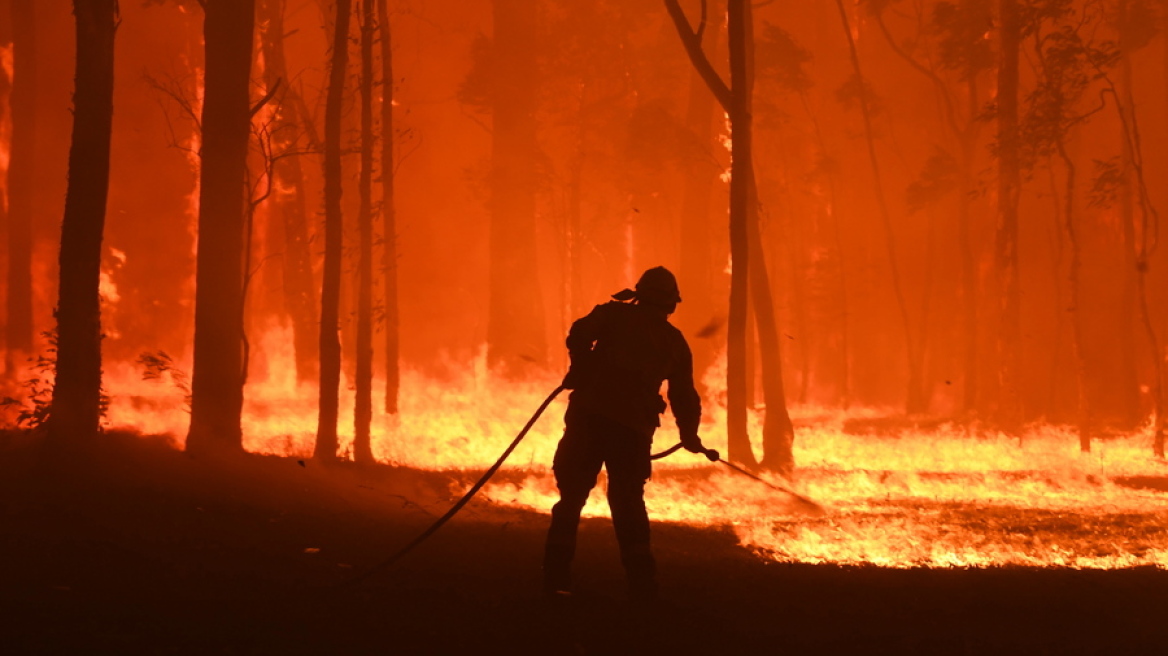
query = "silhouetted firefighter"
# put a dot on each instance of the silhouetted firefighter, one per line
(621, 352)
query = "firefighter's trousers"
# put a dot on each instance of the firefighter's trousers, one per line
(591, 441)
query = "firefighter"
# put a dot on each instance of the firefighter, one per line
(620, 354)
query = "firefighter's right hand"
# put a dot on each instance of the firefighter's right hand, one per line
(693, 444)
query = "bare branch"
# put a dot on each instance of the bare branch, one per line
(693, 47)
(267, 97)
(701, 32)
(942, 88)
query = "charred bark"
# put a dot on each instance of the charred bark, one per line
(290, 209)
(217, 375)
(76, 405)
(389, 217)
(22, 182)
(1009, 405)
(330, 343)
(515, 320)
(363, 412)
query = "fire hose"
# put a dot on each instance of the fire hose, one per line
(711, 454)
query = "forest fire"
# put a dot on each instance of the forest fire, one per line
(932, 497)
(888, 274)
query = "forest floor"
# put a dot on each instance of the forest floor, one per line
(131, 547)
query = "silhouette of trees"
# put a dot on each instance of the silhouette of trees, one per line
(289, 205)
(389, 216)
(76, 405)
(363, 414)
(748, 271)
(330, 344)
(218, 372)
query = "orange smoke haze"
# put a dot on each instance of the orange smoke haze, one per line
(629, 148)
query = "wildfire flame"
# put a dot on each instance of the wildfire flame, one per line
(935, 498)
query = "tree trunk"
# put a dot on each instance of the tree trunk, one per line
(363, 415)
(1129, 386)
(1083, 416)
(22, 183)
(778, 434)
(741, 170)
(845, 376)
(1009, 407)
(698, 263)
(389, 217)
(916, 402)
(735, 100)
(968, 261)
(330, 343)
(290, 209)
(515, 321)
(1144, 243)
(217, 375)
(76, 408)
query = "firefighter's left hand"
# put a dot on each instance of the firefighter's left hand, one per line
(571, 379)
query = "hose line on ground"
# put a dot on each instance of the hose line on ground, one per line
(461, 502)
(709, 453)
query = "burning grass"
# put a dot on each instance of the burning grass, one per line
(921, 497)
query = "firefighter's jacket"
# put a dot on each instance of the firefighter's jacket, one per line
(621, 353)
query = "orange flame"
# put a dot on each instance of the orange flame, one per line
(936, 499)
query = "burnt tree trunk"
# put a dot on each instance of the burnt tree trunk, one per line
(289, 207)
(1129, 385)
(968, 261)
(22, 181)
(389, 218)
(330, 343)
(1144, 244)
(916, 402)
(515, 321)
(1071, 230)
(217, 375)
(76, 406)
(1009, 407)
(363, 409)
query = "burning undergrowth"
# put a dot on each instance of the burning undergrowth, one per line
(931, 496)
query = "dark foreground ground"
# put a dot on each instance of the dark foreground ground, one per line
(134, 548)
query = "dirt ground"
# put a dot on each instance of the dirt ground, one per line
(131, 547)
